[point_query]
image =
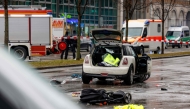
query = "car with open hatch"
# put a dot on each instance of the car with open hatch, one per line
(110, 58)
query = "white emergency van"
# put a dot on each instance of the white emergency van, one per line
(145, 33)
(180, 34)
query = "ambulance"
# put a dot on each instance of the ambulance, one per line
(178, 35)
(145, 34)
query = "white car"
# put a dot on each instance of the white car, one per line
(130, 67)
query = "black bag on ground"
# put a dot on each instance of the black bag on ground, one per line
(91, 94)
(99, 96)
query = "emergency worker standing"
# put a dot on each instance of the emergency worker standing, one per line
(67, 48)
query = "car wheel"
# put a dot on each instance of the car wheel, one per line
(180, 45)
(173, 46)
(187, 46)
(143, 77)
(20, 53)
(86, 79)
(129, 77)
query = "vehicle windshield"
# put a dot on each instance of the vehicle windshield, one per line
(173, 34)
(132, 31)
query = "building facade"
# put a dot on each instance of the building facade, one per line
(105, 10)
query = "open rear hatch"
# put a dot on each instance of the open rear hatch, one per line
(109, 41)
(107, 36)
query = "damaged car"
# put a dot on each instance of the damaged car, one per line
(110, 58)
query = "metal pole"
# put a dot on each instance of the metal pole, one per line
(66, 20)
(99, 13)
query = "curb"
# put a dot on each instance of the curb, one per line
(58, 67)
(171, 57)
(42, 68)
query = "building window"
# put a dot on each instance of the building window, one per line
(159, 28)
(66, 1)
(71, 10)
(48, 6)
(53, 7)
(54, 1)
(106, 12)
(91, 2)
(48, 0)
(102, 3)
(110, 3)
(72, 2)
(106, 3)
(61, 8)
(86, 17)
(66, 9)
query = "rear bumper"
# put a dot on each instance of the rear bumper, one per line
(97, 70)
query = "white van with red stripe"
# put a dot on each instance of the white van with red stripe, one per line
(144, 33)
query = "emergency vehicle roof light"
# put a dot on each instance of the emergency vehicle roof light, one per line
(146, 23)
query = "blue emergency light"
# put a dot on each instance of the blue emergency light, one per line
(146, 23)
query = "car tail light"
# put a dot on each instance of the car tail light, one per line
(125, 61)
(86, 60)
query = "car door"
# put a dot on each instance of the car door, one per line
(186, 37)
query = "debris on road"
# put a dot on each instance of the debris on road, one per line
(76, 76)
(117, 82)
(129, 106)
(75, 94)
(55, 82)
(102, 97)
(164, 89)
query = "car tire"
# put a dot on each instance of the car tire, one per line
(179, 46)
(143, 77)
(129, 77)
(20, 52)
(86, 79)
(173, 46)
(187, 46)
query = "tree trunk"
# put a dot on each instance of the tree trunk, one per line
(6, 40)
(78, 38)
(126, 29)
(162, 27)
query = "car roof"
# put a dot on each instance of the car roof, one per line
(127, 44)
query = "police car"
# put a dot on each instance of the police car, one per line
(110, 58)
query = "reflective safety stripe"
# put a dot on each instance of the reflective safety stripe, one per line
(108, 58)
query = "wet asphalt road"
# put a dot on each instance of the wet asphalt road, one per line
(171, 73)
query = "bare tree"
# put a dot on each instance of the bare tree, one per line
(130, 6)
(166, 7)
(6, 40)
(81, 6)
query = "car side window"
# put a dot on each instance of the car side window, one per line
(126, 50)
(132, 52)
(144, 32)
(186, 33)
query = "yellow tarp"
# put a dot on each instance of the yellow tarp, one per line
(129, 106)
